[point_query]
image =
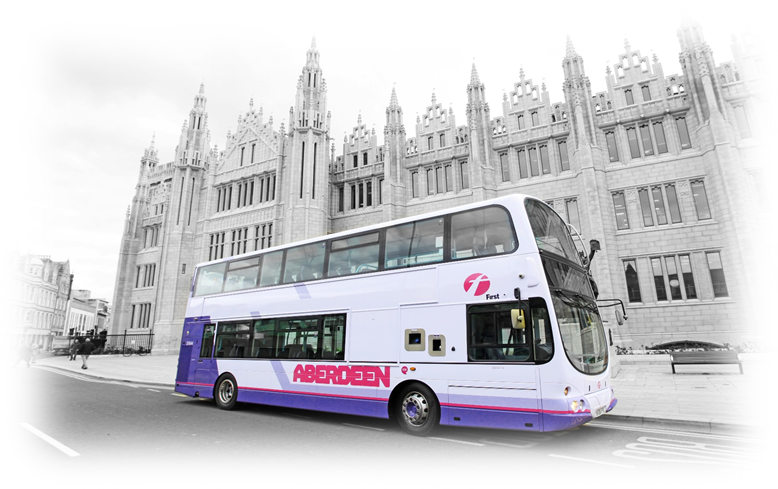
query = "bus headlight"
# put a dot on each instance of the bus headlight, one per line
(574, 406)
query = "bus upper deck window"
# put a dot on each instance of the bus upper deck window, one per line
(481, 232)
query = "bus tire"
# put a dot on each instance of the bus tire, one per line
(225, 393)
(417, 409)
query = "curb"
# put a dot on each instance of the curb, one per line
(112, 379)
(704, 427)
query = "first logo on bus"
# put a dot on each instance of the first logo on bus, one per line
(477, 283)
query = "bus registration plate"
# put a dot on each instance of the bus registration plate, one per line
(599, 411)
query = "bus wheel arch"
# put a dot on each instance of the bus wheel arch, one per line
(415, 407)
(225, 391)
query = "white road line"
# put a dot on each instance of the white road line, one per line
(363, 427)
(153, 390)
(69, 452)
(668, 432)
(589, 461)
(456, 441)
(177, 394)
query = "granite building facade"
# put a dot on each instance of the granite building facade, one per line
(662, 169)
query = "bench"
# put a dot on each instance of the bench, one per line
(705, 358)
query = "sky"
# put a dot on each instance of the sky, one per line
(88, 84)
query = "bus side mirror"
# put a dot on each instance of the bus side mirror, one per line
(517, 318)
(620, 317)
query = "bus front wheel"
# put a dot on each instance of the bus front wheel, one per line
(417, 410)
(226, 392)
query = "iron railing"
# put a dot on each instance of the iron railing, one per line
(117, 343)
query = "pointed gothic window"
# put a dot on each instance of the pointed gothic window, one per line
(620, 207)
(683, 133)
(535, 119)
(521, 122)
(632, 138)
(613, 152)
(564, 161)
(628, 97)
(659, 134)
(646, 93)
(523, 164)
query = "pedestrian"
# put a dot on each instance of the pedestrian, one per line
(24, 352)
(74, 349)
(34, 348)
(85, 350)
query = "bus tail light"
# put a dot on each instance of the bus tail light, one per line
(574, 406)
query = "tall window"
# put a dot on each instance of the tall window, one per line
(364, 158)
(523, 164)
(632, 138)
(645, 136)
(544, 163)
(633, 285)
(439, 183)
(506, 175)
(429, 143)
(430, 182)
(688, 277)
(672, 278)
(415, 183)
(659, 279)
(353, 197)
(645, 207)
(742, 121)
(659, 205)
(535, 119)
(683, 133)
(521, 122)
(620, 206)
(449, 178)
(464, 174)
(564, 162)
(672, 201)
(369, 193)
(613, 152)
(700, 199)
(442, 140)
(659, 133)
(717, 274)
(533, 161)
(646, 93)
(628, 96)
(340, 199)
(361, 195)
(572, 214)
(356, 160)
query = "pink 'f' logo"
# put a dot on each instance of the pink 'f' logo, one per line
(480, 281)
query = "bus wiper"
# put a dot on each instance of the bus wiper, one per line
(576, 300)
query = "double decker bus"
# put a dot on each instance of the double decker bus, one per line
(480, 315)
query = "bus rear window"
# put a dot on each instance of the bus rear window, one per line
(481, 232)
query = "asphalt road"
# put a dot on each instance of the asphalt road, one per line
(67, 429)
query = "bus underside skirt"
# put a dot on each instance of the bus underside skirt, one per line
(559, 422)
(191, 389)
(476, 417)
(376, 408)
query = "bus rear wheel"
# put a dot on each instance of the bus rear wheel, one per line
(226, 392)
(417, 410)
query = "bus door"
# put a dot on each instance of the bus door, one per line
(190, 344)
(205, 370)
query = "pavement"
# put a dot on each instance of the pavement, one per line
(700, 398)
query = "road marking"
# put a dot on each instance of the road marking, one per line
(153, 390)
(69, 452)
(503, 444)
(177, 394)
(668, 432)
(590, 461)
(457, 441)
(363, 427)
